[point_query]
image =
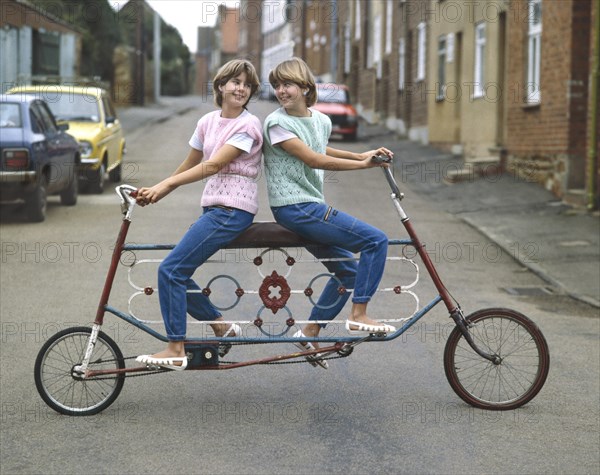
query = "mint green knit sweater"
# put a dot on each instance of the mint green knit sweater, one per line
(289, 179)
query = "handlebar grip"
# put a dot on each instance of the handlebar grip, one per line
(381, 158)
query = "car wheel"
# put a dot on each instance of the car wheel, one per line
(68, 197)
(36, 203)
(115, 174)
(96, 184)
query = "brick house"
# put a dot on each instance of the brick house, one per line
(413, 70)
(360, 43)
(202, 60)
(314, 29)
(476, 78)
(466, 84)
(215, 46)
(250, 40)
(550, 105)
(382, 50)
(34, 42)
(278, 40)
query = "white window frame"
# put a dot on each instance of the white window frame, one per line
(479, 64)
(450, 47)
(357, 20)
(401, 63)
(441, 78)
(534, 40)
(376, 46)
(389, 19)
(421, 50)
(347, 48)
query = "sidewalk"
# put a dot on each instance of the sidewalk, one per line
(557, 242)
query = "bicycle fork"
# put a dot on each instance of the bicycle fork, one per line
(463, 326)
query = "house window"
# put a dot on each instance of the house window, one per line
(347, 48)
(478, 76)
(389, 15)
(46, 53)
(533, 51)
(441, 82)
(357, 20)
(376, 46)
(421, 46)
(401, 63)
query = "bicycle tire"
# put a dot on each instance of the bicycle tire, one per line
(67, 394)
(524, 366)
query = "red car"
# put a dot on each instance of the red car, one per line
(334, 101)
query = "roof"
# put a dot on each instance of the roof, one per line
(20, 98)
(24, 12)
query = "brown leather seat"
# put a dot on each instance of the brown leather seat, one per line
(268, 234)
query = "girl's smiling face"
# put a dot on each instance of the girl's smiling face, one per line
(290, 96)
(236, 92)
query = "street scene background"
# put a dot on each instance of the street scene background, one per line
(386, 408)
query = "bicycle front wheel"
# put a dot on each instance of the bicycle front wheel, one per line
(59, 385)
(522, 368)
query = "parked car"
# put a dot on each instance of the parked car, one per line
(38, 157)
(93, 122)
(334, 101)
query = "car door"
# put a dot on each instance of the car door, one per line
(114, 132)
(59, 165)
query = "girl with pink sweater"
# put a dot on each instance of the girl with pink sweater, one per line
(226, 150)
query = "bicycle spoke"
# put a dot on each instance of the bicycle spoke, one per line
(63, 390)
(520, 371)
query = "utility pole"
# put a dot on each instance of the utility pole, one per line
(157, 61)
(140, 51)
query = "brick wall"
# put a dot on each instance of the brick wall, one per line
(594, 181)
(413, 100)
(539, 136)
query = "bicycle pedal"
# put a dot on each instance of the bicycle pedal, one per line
(200, 355)
(378, 334)
(224, 349)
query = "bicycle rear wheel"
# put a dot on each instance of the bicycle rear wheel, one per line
(523, 368)
(61, 388)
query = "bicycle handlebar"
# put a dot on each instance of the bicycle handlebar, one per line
(388, 174)
(127, 194)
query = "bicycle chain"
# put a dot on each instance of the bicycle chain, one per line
(159, 371)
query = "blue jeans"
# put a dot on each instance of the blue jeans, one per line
(341, 236)
(216, 228)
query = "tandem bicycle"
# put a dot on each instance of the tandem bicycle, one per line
(494, 358)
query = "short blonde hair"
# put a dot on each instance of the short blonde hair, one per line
(230, 70)
(297, 71)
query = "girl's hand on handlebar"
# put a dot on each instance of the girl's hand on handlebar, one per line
(367, 156)
(140, 199)
(153, 194)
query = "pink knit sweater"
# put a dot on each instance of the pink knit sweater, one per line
(236, 184)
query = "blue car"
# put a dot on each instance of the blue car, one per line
(38, 157)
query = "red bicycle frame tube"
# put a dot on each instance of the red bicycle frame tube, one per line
(112, 270)
(437, 281)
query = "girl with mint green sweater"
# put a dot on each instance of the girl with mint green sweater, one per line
(295, 156)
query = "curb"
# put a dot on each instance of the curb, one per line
(537, 270)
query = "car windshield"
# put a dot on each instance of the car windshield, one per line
(10, 115)
(74, 107)
(332, 94)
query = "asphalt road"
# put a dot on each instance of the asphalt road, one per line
(386, 409)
